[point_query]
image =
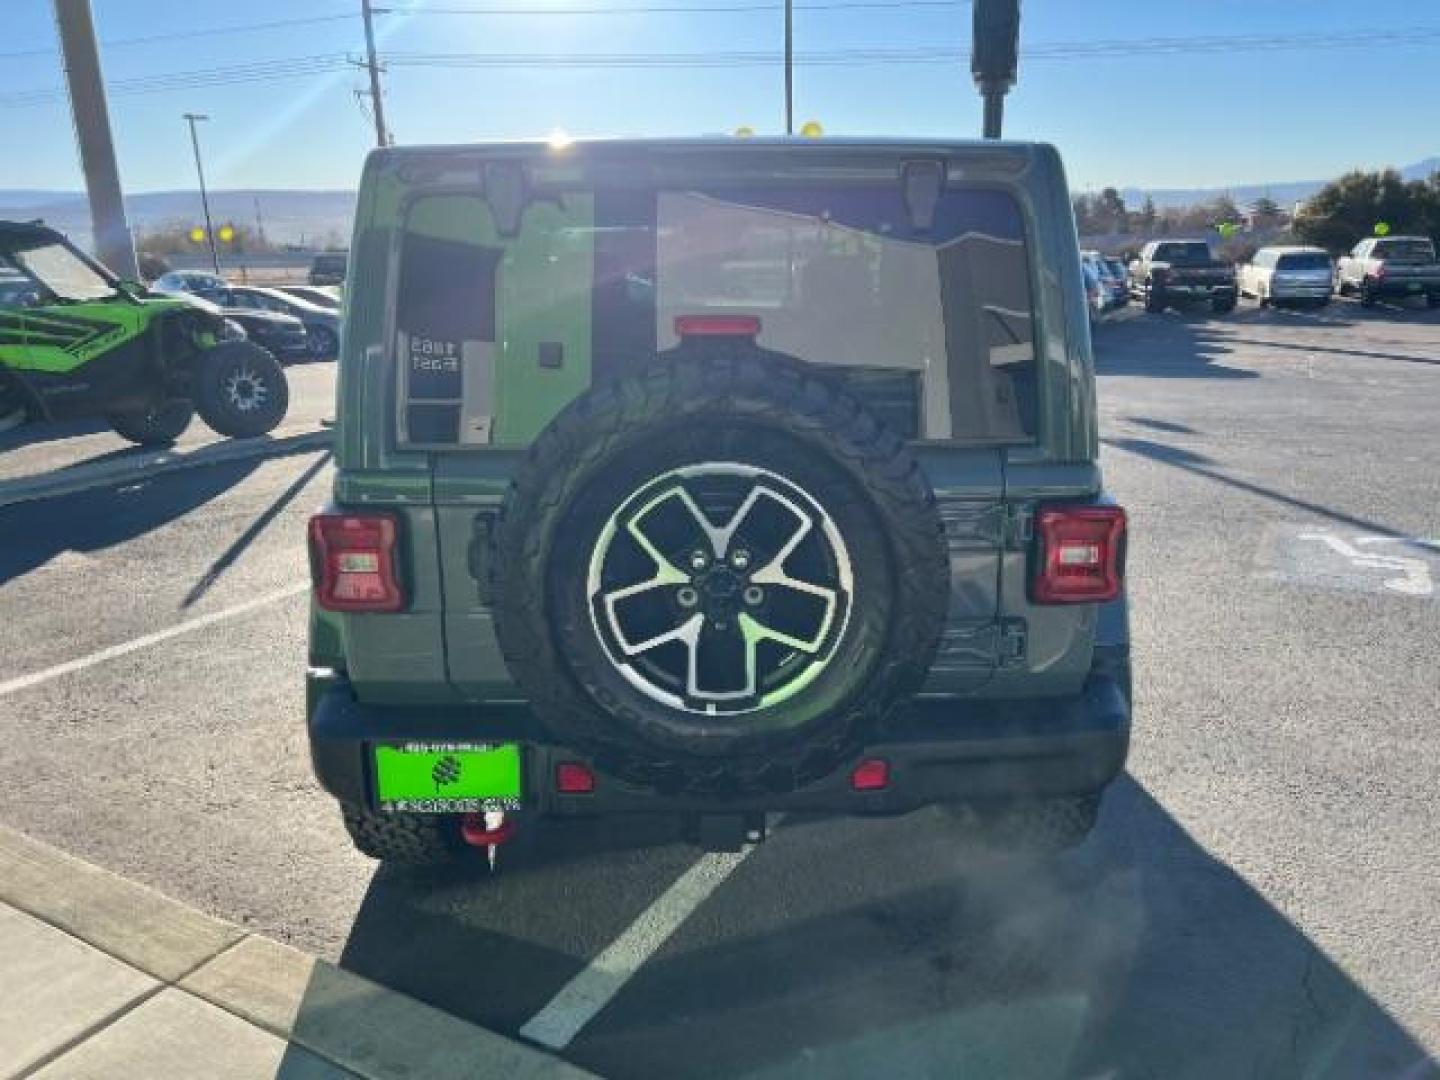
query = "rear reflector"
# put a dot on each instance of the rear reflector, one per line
(716, 325)
(352, 562)
(572, 778)
(1081, 554)
(872, 774)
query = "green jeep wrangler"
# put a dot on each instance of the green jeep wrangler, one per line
(715, 478)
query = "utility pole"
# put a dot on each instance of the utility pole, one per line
(259, 223)
(994, 57)
(382, 137)
(789, 67)
(86, 84)
(190, 118)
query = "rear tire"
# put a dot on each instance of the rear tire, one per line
(241, 390)
(412, 839)
(158, 426)
(1367, 295)
(1154, 299)
(717, 412)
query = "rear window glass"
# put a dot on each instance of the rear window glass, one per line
(931, 325)
(1405, 251)
(1183, 254)
(1310, 260)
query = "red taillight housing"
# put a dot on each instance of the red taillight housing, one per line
(716, 326)
(352, 562)
(872, 774)
(572, 778)
(1080, 554)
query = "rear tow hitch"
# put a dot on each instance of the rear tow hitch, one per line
(488, 831)
(725, 832)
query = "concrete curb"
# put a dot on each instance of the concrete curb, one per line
(346, 1020)
(144, 464)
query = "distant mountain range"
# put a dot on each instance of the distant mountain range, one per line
(310, 218)
(1285, 193)
(317, 218)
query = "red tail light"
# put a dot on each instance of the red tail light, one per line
(572, 778)
(872, 774)
(716, 325)
(1080, 554)
(352, 561)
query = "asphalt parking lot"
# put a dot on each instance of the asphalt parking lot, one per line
(1259, 899)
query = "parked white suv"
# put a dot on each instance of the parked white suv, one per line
(1285, 275)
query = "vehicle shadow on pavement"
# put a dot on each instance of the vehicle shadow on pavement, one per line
(1170, 345)
(1201, 465)
(28, 434)
(896, 948)
(92, 520)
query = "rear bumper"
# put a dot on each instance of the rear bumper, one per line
(1197, 290)
(940, 751)
(1402, 287)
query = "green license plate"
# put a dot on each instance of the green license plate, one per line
(447, 778)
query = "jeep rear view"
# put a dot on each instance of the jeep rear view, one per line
(715, 478)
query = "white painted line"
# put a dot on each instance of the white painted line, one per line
(590, 991)
(24, 682)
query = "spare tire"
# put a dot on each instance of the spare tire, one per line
(716, 577)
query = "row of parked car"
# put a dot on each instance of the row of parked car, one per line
(294, 322)
(1170, 272)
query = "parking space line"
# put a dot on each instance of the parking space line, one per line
(592, 989)
(24, 682)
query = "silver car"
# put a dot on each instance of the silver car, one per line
(1288, 275)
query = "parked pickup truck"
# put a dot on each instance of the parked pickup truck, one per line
(1390, 266)
(1170, 271)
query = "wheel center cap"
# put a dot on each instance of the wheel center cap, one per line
(721, 584)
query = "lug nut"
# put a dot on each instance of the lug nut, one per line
(687, 597)
(740, 559)
(698, 561)
(753, 594)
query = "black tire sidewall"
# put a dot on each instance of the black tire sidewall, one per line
(214, 367)
(690, 443)
(163, 425)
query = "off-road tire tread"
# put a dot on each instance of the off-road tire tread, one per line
(217, 415)
(412, 839)
(757, 386)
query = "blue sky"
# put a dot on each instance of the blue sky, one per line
(1140, 117)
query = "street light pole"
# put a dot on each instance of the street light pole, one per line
(92, 132)
(789, 67)
(190, 118)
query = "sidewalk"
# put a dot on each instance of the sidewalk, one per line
(101, 977)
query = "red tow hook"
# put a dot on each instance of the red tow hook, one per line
(487, 830)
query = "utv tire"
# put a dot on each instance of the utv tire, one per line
(413, 839)
(1154, 299)
(780, 449)
(157, 426)
(240, 390)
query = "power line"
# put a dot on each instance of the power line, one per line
(688, 9)
(180, 35)
(304, 66)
